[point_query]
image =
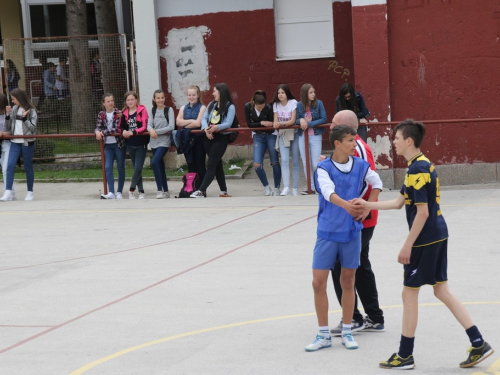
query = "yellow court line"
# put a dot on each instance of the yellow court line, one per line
(100, 361)
(494, 369)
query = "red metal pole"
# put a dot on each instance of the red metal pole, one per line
(308, 162)
(103, 166)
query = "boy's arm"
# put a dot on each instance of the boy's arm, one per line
(416, 228)
(327, 189)
(393, 204)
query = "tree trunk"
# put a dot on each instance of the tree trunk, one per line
(112, 61)
(82, 119)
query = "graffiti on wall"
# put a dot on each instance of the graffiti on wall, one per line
(338, 69)
(187, 61)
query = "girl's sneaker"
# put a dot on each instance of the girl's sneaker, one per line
(131, 195)
(142, 196)
(110, 195)
(268, 191)
(348, 341)
(197, 194)
(276, 192)
(29, 196)
(319, 342)
(224, 194)
(285, 191)
(295, 192)
(166, 194)
(160, 195)
(118, 195)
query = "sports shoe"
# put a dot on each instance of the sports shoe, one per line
(319, 342)
(160, 195)
(7, 196)
(268, 191)
(131, 195)
(14, 195)
(166, 194)
(197, 194)
(349, 342)
(224, 194)
(29, 196)
(142, 196)
(305, 192)
(285, 191)
(118, 195)
(476, 355)
(276, 192)
(110, 195)
(295, 192)
(356, 326)
(371, 326)
(398, 363)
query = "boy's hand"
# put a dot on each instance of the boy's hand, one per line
(355, 210)
(404, 255)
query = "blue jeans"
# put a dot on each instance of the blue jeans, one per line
(17, 149)
(314, 154)
(158, 166)
(111, 153)
(285, 162)
(261, 142)
(137, 156)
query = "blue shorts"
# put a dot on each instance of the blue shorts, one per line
(327, 252)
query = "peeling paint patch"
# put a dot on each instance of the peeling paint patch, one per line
(381, 149)
(187, 61)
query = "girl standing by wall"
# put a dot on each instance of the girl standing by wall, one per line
(133, 123)
(259, 114)
(108, 121)
(285, 108)
(161, 123)
(5, 143)
(354, 101)
(20, 120)
(218, 117)
(189, 117)
(310, 113)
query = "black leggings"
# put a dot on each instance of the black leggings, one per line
(199, 155)
(215, 150)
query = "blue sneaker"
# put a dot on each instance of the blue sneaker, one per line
(348, 341)
(370, 326)
(319, 342)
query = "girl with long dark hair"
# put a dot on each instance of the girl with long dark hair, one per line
(354, 101)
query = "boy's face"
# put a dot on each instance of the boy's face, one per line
(400, 144)
(347, 146)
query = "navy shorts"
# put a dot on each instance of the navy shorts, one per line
(327, 252)
(428, 265)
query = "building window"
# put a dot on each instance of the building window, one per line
(303, 30)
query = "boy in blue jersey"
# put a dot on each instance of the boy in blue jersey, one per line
(339, 180)
(424, 253)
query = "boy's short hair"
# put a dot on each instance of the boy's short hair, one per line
(339, 132)
(410, 128)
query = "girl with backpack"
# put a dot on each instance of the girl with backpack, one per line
(218, 117)
(260, 115)
(285, 113)
(108, 121)
(20, 120)
(161, 124)
(189, 117)
(310, 114)
(133, 123)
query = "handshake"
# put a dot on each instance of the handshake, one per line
(357, 208)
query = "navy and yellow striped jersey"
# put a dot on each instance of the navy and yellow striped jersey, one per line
(421, 186)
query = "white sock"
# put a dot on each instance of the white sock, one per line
(325, 332)
(346, 328)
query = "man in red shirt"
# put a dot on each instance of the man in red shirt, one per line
(365, 284)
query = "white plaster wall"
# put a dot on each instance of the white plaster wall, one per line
(179, 8)
(187, 61)
(147, 53)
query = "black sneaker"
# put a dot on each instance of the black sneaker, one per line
(356, 326)
(398, 363)
(371, 326)
(476, 355)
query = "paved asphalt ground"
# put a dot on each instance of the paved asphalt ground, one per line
(218, 285)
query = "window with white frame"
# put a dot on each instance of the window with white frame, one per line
(304, 30)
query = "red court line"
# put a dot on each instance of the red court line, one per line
(135, 248)
(31, 338)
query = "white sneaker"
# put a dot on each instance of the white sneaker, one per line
(166, 194)
(118, 195)
(131, 195)
(319, 342)
(160, 195)
(295, 191)
(276, 192)
(197, 194)
(29, 196)
(7, 196)
(285, 191)
(142, 196)
(110, 195)
(268, 191)
(14, 195)
(348, 341)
